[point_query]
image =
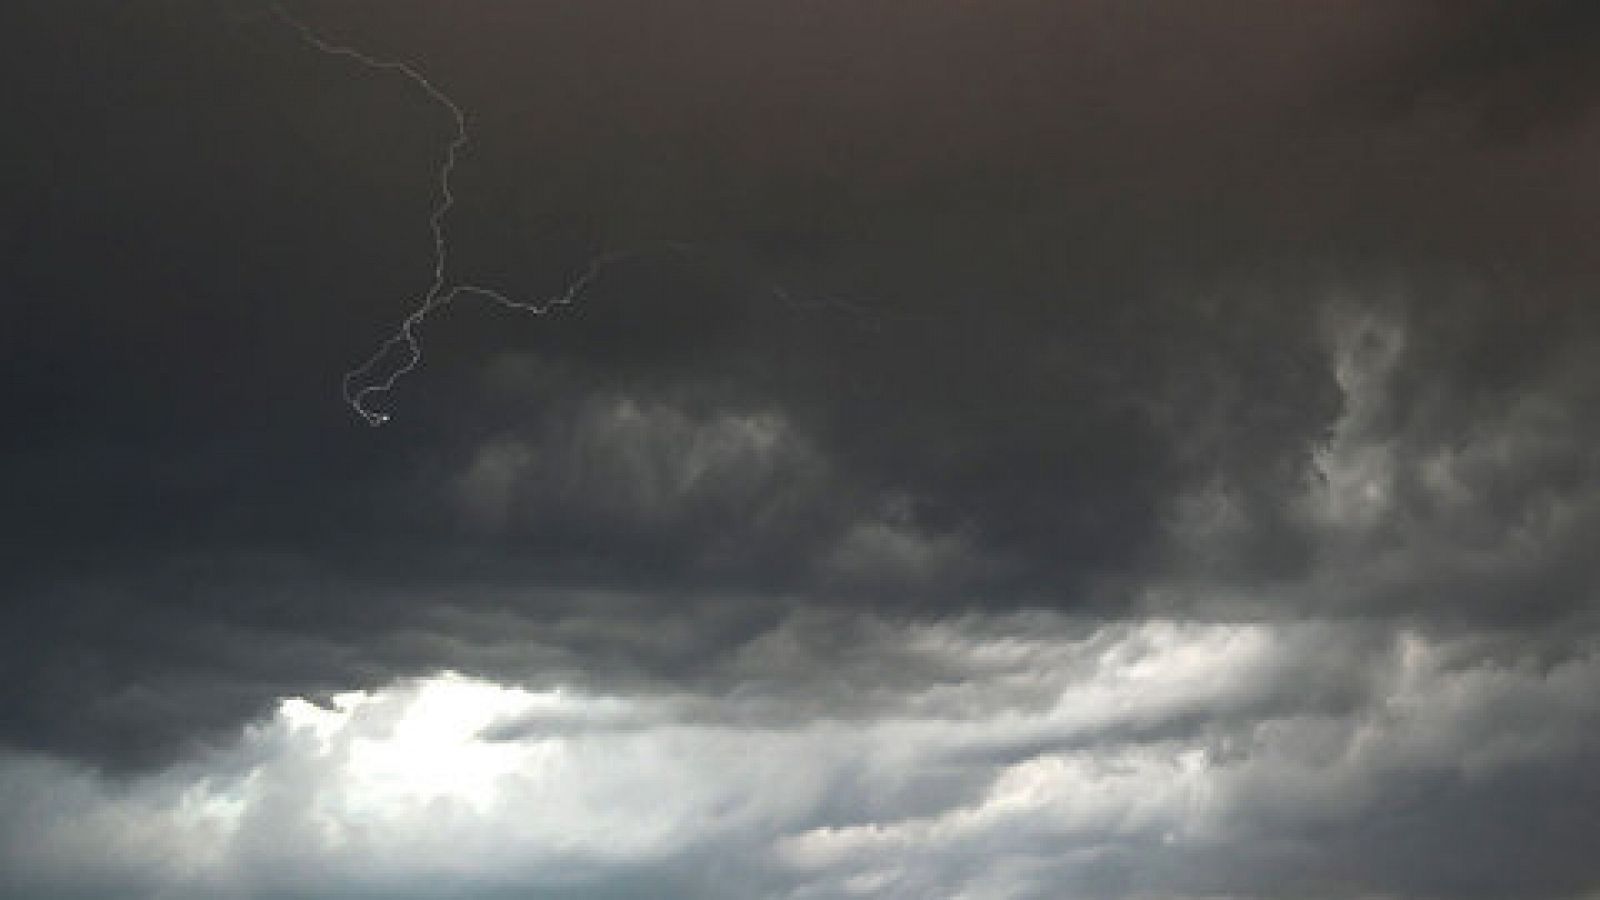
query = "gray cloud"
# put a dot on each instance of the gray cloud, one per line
(1178, 765)
(1121, 449)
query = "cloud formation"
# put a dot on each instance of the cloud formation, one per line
(1102, 449)
(998, 757)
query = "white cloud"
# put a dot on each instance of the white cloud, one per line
(995, 757)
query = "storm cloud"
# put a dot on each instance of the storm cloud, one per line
(1088, 449)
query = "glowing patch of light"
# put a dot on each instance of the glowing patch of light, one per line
(400, 748)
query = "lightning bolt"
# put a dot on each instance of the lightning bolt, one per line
(372, 378)
(402, 349)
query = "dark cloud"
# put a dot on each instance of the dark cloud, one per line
(1516, 66)
(946, 354)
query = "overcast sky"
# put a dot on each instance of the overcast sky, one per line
(1080, 449)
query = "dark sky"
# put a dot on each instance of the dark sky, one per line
(1036, 448)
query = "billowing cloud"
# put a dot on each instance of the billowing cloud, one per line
(1012, 757)
(1023, 449)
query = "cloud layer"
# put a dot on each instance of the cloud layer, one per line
(1026, 756)
(1037, 449)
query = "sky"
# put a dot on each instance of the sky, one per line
(1059, 449)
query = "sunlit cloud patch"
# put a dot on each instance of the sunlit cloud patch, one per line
(1140, 758)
